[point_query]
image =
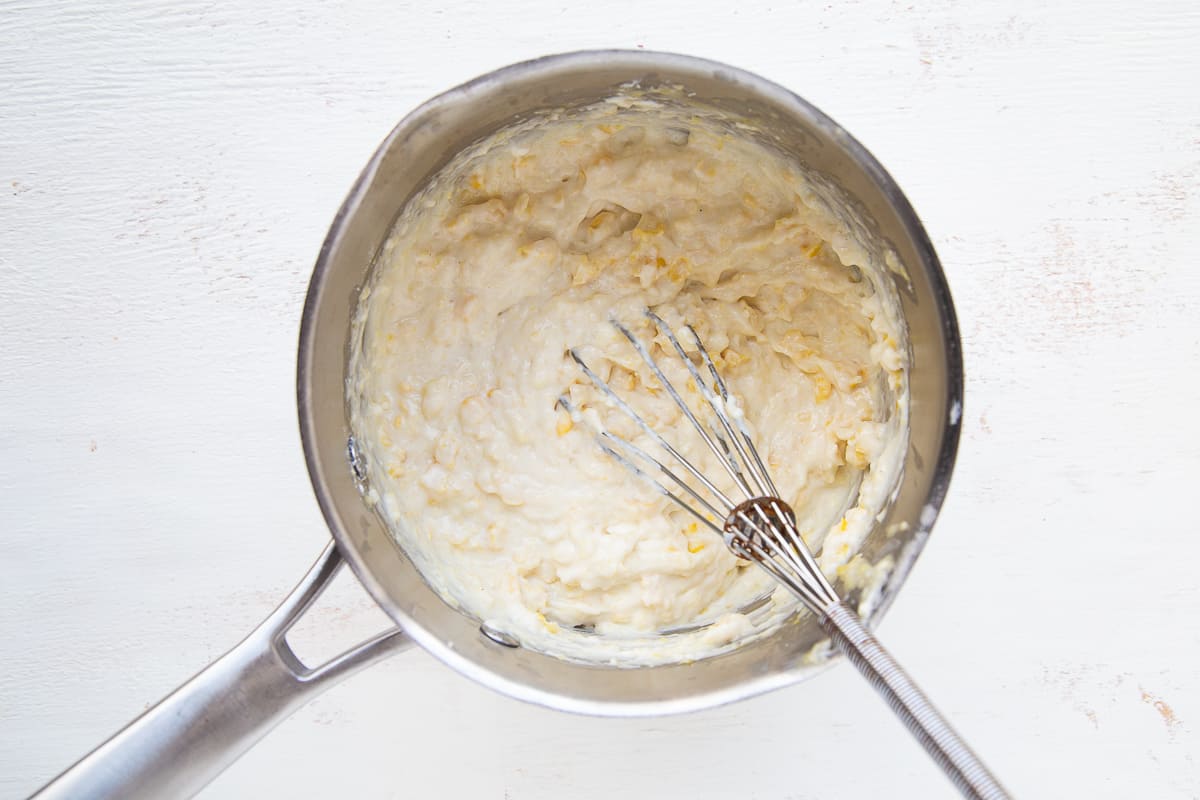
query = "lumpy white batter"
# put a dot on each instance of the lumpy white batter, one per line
(524, 247)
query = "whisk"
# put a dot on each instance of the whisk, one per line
(762, 529)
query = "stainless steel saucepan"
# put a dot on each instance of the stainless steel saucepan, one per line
(179, 745)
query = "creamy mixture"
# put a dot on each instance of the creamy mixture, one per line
(524, 247)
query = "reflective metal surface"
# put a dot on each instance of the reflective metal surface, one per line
(422, 143)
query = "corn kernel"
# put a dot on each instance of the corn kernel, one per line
(565, 424)
(547, 624)
(815, 250)
(824, 388)
(860, 458)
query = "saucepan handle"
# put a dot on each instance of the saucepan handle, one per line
(179, 745)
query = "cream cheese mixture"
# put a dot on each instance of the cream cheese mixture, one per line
(525, 246)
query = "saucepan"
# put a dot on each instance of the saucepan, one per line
(179, 745)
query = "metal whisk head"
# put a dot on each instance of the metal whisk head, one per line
(762, 529)
(759, 526)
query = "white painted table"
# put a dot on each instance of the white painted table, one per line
(167, 173)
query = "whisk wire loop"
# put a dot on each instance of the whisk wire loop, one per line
(607, 441)
(722, 453)
(612, 396)
(720, 407)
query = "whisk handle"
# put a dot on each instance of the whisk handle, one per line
(945, 746)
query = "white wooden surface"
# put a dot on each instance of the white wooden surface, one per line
(167, 172)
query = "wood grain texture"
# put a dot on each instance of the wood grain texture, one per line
(167, 174)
